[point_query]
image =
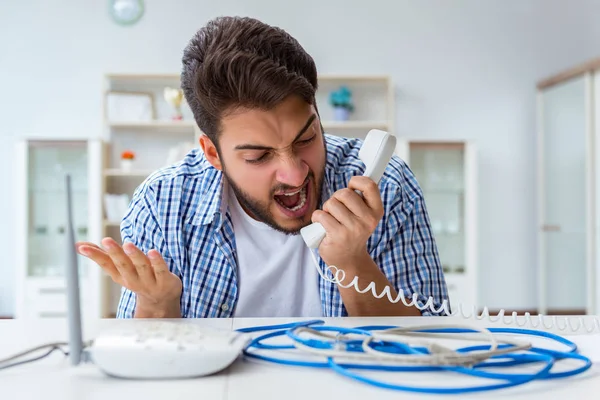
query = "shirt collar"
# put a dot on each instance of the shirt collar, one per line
(213, 195)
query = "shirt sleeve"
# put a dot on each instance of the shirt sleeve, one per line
(141, 227)
(410, 259)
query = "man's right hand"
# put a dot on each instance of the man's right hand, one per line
(158, 290)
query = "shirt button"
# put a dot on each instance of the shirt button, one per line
(224, 307)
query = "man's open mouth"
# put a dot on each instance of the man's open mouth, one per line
(294, 203)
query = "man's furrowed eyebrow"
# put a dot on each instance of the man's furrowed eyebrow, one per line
(305, 127)
(259, 147)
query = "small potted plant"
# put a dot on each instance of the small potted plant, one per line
(341, 100)
(127, 158)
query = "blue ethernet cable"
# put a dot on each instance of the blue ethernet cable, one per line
(546, 357)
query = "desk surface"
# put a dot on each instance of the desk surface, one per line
(53, 377)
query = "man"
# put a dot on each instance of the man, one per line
(217, 234)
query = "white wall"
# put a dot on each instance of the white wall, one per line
(464, 69)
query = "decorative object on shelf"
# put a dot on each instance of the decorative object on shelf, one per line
(174, 97)
(127, 159)
(341, 100)
(126, 12)
(178, 152)
(129, 106)
(453, 227)
(115, 206)
(460, 269)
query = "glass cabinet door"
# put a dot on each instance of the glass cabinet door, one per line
(440, 171)
(564, 190)
(48, 162)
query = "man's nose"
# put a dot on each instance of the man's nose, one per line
(292, 171)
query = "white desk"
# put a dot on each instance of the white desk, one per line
(54, 378)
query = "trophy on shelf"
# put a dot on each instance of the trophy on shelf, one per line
(174, 97)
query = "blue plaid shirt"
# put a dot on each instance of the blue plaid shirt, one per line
(181, 211)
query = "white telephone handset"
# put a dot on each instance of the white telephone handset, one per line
(376, 152)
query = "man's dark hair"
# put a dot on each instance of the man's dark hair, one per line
(237, 62)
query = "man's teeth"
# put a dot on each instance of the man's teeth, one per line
(293, 193)
(302, 200)
(300, 203)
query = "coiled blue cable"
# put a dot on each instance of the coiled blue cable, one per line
(546, 357)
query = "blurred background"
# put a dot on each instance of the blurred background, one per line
(493, 102)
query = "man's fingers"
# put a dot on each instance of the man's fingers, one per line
(340, 212)
(353, 202)
(141, 263)
(122, 262)
(330, 224)
(80, 245)
(158, 264)
(369, 190)
(101, 258)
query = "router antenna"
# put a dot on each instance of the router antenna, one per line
(72, 275)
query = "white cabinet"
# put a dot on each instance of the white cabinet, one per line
(41, 224)
(447, 175)
(568, 184)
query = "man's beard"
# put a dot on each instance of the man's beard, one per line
(261, 211)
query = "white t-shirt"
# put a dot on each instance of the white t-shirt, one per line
(276, 273)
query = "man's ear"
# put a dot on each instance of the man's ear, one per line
(210, 151)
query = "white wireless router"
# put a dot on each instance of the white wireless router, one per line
(146, 349)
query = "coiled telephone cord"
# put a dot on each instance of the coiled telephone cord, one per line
(563, 324)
